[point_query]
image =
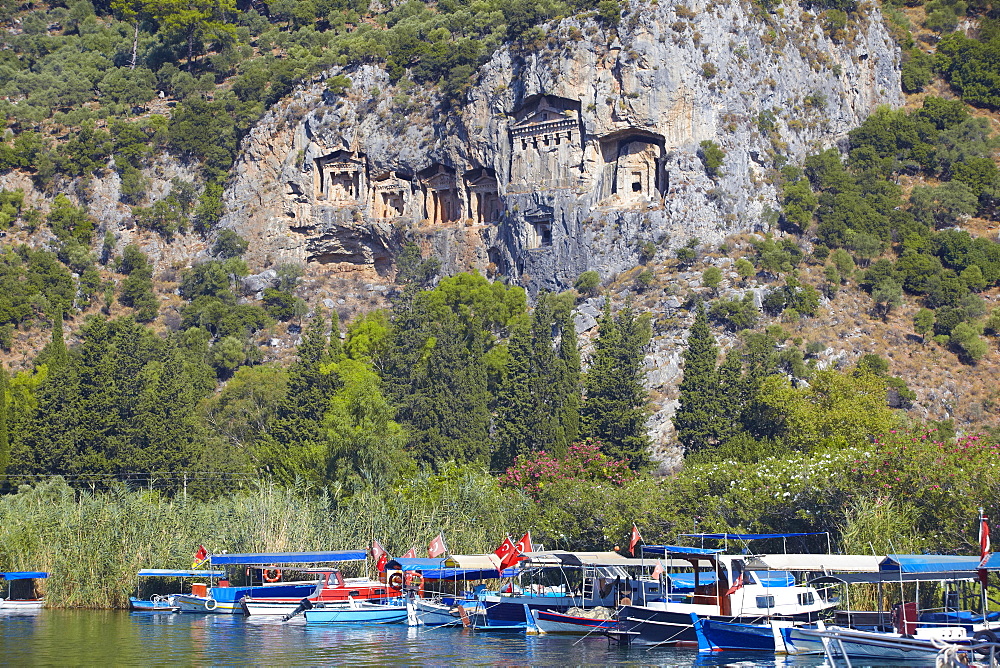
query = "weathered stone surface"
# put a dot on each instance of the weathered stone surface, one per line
(563, 160)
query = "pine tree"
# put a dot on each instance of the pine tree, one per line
(515, 400)
(614, 410)
(697, 413)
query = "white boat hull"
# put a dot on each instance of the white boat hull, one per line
(22, 605)
(189, 603)
(891, 646)
(266, 609)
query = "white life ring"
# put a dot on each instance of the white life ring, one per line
(211, 604)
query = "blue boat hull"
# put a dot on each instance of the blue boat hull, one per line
(359, 615)
(717, 636)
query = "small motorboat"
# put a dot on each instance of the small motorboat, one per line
(574, 620)
(355, 612)
(21, 595)
(163, 602)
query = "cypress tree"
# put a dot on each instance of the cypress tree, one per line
(696, 416)
(614, 410)
(515, 400)
(569, 380)
(4, 409)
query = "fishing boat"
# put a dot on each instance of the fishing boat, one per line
(21, 595)
(725, 589)
(922, 647)
(720, 636)
(164, 602)
(555, 581)
(444, 592)
(331, 587)
(355, 612)
(574, 620)
(265, 568)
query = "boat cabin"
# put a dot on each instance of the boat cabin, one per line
(22, 592)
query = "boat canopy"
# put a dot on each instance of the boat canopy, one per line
(285, 558)
(682, 550)
(928, 563)
(417, 564)
(992, 561)
(829, 563)
(182, 573)
(752, 536)
(575, 559)
(436, 569)
(890, 577)
(23, 575)
(478, 562)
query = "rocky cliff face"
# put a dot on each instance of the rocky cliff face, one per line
(566, 158)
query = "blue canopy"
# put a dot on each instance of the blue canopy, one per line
(679, 550)
(23, 575)
(416, 564)
(686, 580)
(467, 574)
(928, 563)
(752, 536)
(183, 573)
(276, 558)
(992, 561)
(775, 578)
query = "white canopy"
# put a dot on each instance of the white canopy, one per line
(827, 563)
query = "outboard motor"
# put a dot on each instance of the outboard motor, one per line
(304, 604)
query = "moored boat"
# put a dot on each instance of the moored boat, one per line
(355, 612)
(574, 620)
(164, 602)
(331, 587)
(922, 647)
(21, 595)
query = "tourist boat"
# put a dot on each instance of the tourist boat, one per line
(727, 589)
(355, 612)
(332, 587)
(444, 592)
(225, 599)
(164, 602)
(21, 594)
(557, 581)
(720, 636)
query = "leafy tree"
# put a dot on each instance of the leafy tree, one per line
(229, 244)
(943, 206)
(194, 20)
(711, 277)
(587, 282)
(712, 157)
(923, 322)
(365, 443)
(966, 339)
(735, 314)
(745, 268)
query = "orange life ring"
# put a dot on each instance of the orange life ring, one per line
(396, 580)
(272, 575)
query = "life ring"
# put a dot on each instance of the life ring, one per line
(396, 580)
(272, 574)
(211, 604)
(156, 598)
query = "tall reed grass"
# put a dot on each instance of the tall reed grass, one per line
(93, 543)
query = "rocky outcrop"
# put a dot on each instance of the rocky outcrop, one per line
(567, 158)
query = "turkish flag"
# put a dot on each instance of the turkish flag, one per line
(437, 547)
(377, 550)
(411, 553)
(382, 561)
(634, 540)
(200, 556)
(984, 547)
(506, 552)
(736, 586)
(658, 571)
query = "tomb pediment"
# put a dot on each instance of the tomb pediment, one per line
(546, 114)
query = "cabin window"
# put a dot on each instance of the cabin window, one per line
(806, 598)
(765, 601)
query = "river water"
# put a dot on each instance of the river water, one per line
(78, 637)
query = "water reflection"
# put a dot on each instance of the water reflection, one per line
(119, 638)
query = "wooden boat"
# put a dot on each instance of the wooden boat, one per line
(574, 620)
(21, 591)
(719, 636)
(164, 602)
(225, 599)
(355, 612)
(331, 587)
(922, 647)
(733, 594)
